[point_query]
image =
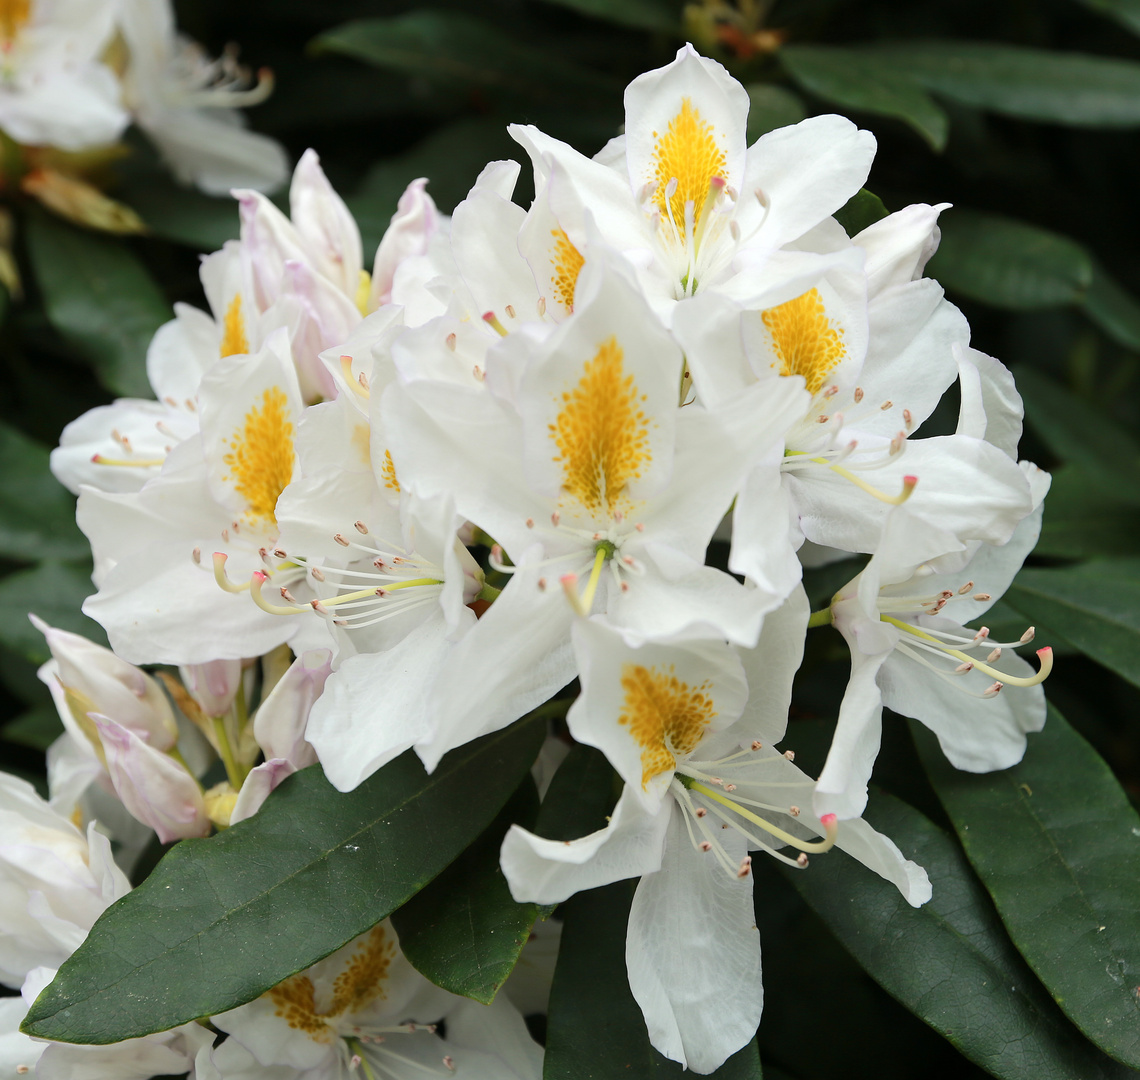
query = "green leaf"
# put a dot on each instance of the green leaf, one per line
(864, 208)
(464, 52)
(1033, 84)
(595, 1030)
(661, 15)
(37, 728)
(1125, 12)
(1095, 605)
(464, 931)
(1082, 435)
(55, 591)
(580, 797)
(37, 513)
(771, 107)
(858, 79)
(1009, 264)
(100, 298)
(1113, 309)
(173, 212)
(949, 961)
(1057, 844)
(1082, 521)
(220, 921)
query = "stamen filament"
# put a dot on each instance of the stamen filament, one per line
(256, 581)
(353, 384)
(222, 578)
(909, 483)
(145, 463)
(828, 821)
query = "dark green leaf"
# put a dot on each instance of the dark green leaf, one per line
(948, 961)
(771, 107)
(220, 921)
(1008, 263)
(181, 214)
(1113, 309)
(1033, 84)
(55, 591)
(1057, 845)
(463, 52)
(857, 79)
(38, 728)
(1125, 12)
(1096, 606)
(1082, 435)
(1083, 521)
(37, 514)
(663, 15)
(595, 1029)
(580, 796)
(464, 931)
(100, 298)
(862, 209)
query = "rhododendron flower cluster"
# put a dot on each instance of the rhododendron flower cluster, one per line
(395, 506)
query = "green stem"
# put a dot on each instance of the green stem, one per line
(488, 593)
(820, 618)
(233, 773)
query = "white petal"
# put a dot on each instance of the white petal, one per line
(879, 853)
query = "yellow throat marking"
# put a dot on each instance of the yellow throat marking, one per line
(14, 14)
(261, 455)
(688, 151)
(388, 472)
(665, 716)
(804, 340)
(360, 983)
(234, 341)
(566, 261)
(602, 433)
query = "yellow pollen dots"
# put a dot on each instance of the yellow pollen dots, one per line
(805, 341)
(361, 982)
(688, 151)
(388, 472)
(234, 341)
(13, 15)
(567, 261)
(601, 432)
(665, 716)
(261, 455)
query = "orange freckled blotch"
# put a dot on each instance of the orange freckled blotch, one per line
(260, 457)
(566, 262)
(689, 153)
(602, 433)
(233, 340)
(804, 340)
(665, 716)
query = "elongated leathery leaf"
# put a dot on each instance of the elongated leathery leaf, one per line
(464, 931)
(1095, 605)
(595, 1030)
(1057, 845)
(950, 961)
(222, 920)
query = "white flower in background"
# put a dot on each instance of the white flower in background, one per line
(703, 786)
(55, 881)
(692, 206)
(581, 465)
(53, 90)
(187, 104)
(903, 617)
(366, 1011)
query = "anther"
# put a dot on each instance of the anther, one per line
(745, 867)
(993, 655)
(702, 812)
(530, 523)
(640, 526)
(831, 391)
(734, 230)
(982, 596)
(226, 534)
(354, 1061)
(858, 395)
(961, 669)
(705, 846)
(790, 755)
(822, 418)
(993, 690)
(340, 540)
(897, 443)
(794, 811)
(729, 787)
(317, 572)
(492, 320)
(555, 518)
(280, 553)
(196, 555)
(360, 527)
(982, 634)
(450, 340)
(802, 861)
(448, 1062)
(965, 588)
(1028, 636)
(757, 744)
(170, 401)
(908, 419)
(886, 404)
(363, 380)
(478, 374)
(287, 595)
(511, 312)
(542, 584)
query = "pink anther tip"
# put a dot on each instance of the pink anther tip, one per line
(910, 481)
(260, 576)
(489, 316)
(1045, 649)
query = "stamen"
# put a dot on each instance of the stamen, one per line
(828, 821)
(256, 583)
(222, 578)
(145, 463)
(450, 341)
(359, 387)
(492, 320)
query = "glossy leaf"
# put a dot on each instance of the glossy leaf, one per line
(1083, 521)
(464, 52)
(1125, 12)
(1080, 434)
(100, 298)
(37, 513)
(37, 728)
(864, 208)
(1033, 84)
(582, 793)
(1057, 844)
(55, 591)
(662, 15)
(1009, 264)
(595, 1030)
(464, 931)
(949, 962)
(220, 921)
(1095, 605)
(1115, 310)
(770, 107)
(857, 79)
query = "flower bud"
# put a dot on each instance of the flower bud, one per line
(279, 725)
(213, 685)
(413, 224)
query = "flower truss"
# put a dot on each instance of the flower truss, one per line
(391, 509)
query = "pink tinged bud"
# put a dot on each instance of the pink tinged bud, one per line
(324, 225)
(213, 685)
(258, 784)
(413, 225)
(279, 725)
(154, 788)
